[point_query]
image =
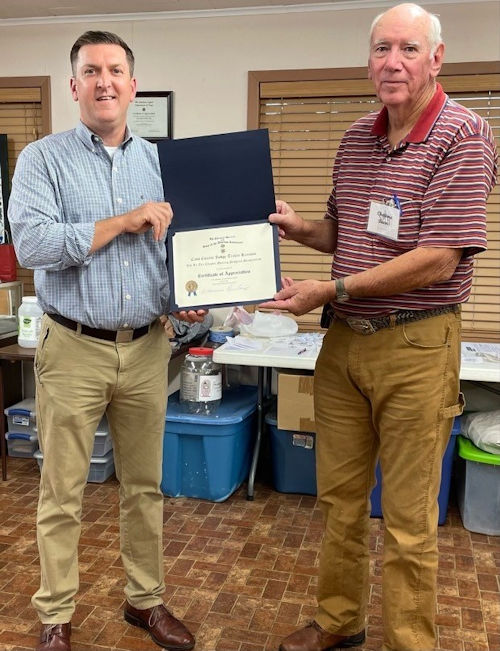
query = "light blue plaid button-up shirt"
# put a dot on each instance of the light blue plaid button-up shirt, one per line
(62, 185)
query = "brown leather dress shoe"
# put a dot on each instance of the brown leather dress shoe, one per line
(164, 628)
(314, 638)
(55, 637)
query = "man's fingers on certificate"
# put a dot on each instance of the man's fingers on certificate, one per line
(288, 304)
(274, 305)
(282, 299)
(298, 298)
(191, 316)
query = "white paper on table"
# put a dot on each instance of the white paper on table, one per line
(307, 344)
(477, 352)
(243, 343)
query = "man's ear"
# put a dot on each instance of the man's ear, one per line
(133, 83)
(74, 92)
(437, 60)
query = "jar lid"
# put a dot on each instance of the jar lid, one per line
(201, 351)
(30, 299)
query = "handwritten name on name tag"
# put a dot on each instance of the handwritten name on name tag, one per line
(384, 220)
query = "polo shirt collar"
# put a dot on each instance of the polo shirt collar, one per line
(425, 122)
(90, 139)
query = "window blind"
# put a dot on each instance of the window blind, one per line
(481, 314)
(306, 121)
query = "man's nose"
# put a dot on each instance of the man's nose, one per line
(393, 58)
(104, 79)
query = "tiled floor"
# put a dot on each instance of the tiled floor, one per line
(241, 574)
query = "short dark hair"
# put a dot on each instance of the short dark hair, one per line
(96, 38)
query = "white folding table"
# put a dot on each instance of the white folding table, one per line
(268, 357)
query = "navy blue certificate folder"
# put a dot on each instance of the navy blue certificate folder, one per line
(219, 182)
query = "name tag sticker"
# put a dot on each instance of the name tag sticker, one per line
(384, 220)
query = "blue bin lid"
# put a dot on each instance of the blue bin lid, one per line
(24, 408)
(236, 405)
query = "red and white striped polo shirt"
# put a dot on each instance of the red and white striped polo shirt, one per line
(441, 173)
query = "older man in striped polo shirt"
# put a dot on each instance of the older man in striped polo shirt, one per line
(406, 215)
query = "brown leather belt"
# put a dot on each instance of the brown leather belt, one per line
(120, 336)
(370, 326)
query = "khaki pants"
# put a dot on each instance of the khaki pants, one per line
(392, 394)
(77, 379)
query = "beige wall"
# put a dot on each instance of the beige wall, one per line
(205, 60)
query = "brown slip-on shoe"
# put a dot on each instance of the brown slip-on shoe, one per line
(55, 637)
(313, 638)
(165, 630)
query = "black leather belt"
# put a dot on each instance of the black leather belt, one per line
(120, 336)
(369, 326)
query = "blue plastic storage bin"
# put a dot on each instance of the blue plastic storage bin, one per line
(294, 466)
(293, 457)
(209, 456)
(444, 491)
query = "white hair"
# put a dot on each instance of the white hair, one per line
(434, 37)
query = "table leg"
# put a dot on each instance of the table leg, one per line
(263, 391)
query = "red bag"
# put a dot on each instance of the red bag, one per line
(8, 269)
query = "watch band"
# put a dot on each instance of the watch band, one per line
(341, 295)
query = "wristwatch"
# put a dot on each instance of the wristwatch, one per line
(341, 295)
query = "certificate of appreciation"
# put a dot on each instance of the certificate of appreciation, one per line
(218, 255)
(227, 265)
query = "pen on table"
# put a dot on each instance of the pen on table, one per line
(302, 351)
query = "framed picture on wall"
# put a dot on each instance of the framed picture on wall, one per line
(150, 115)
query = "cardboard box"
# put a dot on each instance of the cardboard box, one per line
(295, 402)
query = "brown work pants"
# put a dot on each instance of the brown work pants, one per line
(393, 395)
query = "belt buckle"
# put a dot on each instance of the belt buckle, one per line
(124, 336)
(362, 326)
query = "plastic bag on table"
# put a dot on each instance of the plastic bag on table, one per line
(270, 324)
(236, 317)
(483, 429)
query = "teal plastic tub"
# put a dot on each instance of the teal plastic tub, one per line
(208, 456)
